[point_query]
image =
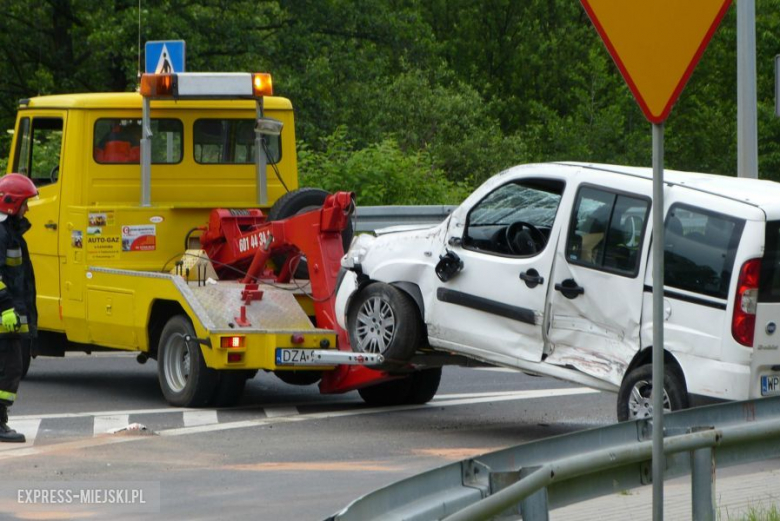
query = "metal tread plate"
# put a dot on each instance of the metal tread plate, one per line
(276, 312)
(218, 305)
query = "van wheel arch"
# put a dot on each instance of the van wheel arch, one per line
(639, 373)
(413, 290)
(645, 356)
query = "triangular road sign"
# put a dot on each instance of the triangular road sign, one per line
(164, 64)
(656, 44)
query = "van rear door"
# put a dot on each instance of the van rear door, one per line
(765, 364)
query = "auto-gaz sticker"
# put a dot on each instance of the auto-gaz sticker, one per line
(103, 247)
(139, 237)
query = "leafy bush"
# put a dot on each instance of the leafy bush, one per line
(379, 174)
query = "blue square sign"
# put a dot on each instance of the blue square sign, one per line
(166, 56)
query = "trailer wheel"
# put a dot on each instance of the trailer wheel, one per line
(301, 201)
(384, 320)
(184, 378)
(418, 388)
(634, 398)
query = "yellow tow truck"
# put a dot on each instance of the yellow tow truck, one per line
(141, 193)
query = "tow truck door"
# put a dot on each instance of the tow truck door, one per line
(598, 280)
(38, 145)
(493, 309)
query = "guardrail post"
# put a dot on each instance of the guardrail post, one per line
(534, 507)
(703, 481)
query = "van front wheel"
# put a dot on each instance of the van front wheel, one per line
(635, 400)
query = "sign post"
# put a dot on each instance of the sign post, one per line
(656, 45)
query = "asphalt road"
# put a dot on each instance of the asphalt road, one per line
(284, 453)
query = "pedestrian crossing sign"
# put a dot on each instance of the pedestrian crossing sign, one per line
(165, 56)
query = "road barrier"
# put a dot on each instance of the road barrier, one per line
(532, 478)
(370, 218)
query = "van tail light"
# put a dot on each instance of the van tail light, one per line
(743, 323)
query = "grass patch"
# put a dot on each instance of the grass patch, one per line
(755, 513)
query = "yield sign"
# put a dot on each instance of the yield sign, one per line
(656, 44)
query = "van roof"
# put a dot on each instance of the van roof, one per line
(133, 100)
(762, 193)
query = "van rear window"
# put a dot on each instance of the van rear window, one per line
(700, 249)
(769, 283)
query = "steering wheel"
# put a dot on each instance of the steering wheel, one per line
(54, 174)
(518, 243)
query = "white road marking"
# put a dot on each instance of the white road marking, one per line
(27, 427)
(497, 369)
(279, 415)
(446, 400)
(103, 424)
(279, 412)
(195, 418)
(519, 395)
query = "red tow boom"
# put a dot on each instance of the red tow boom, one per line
(244, 241)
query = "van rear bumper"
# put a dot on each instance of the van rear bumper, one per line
(716, 379)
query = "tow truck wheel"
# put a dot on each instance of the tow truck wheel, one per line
(635, 400)
(384, 320)
(301, 201)
(230, 388)
(184, 378)
(418, 388)
(299, 377)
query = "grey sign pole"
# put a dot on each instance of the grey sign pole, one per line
(658, 321)
(747, 126)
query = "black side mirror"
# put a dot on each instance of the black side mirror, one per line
(449, 265)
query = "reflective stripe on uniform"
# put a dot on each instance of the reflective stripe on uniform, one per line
(13, 257)
(2, 284)
(7, 396)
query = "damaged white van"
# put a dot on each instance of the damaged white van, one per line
(546, 268)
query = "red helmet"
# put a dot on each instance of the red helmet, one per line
(15, 189)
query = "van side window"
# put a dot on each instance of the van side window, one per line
(38, 149)
(699, 250)
(230, 141)
(118, 141)
(515, 219)
(606, 231)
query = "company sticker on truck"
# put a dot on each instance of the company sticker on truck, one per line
(103, 247)
(139, 238)
(101, 219)
(77, 239)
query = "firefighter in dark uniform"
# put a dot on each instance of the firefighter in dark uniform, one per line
(18, 315)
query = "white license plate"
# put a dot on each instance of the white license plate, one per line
(770, 385)
(285, 356)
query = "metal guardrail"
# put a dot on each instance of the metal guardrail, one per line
(370, 218)
(531, 478)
